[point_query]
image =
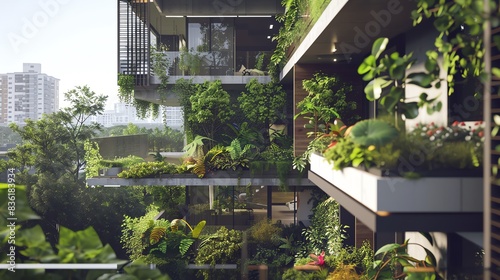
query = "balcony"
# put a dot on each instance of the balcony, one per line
(399, 204)
(210, 66)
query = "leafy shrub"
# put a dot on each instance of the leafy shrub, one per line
(222, 247)
(265, 233)
(149, 169)
(325, 233)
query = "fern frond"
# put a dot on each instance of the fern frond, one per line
(184, 245)
(199, 168)
(156, 234)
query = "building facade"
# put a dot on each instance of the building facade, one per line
(226, 37)
(28, 94)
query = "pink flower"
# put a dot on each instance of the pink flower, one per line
(318, 260)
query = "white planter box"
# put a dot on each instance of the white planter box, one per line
(396, 194)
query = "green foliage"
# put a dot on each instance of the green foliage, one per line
(149, 169)
(262, 103)
(136, 271)
(373, 132)
(185, 89)
(361, 259)
(196, 147)
(391, 257)
(158, 241)
(145, 109)
(321, 143)
(122, 161)
(232, 157)
(265, 233)
(126, 85)
(460, 40)
(387, 80)
(325, 102)
(299, 17)
(246, 134)
(73, 247)
(222, 247)
(190, 61)
(8, 136)
(160, 64)
(92, 159)
(210, 107)
(325, 233)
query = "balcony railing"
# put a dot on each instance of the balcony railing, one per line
(214, 63)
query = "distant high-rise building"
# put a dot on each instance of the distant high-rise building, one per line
(124, 113)
(28, 94)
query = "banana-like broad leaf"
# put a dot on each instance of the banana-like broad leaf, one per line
(373, 132)
(197, 230)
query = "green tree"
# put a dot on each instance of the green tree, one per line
(51, 158)
(210, 107)
(263, 104)
(131, 129)
(325, 102)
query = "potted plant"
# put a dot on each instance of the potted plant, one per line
(154, 240)
(400, 160)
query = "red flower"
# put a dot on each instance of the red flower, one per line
(455, 123)
(462, 124)
(480, 133)
(318, 260)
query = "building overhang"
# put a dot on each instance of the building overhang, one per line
(345, 31)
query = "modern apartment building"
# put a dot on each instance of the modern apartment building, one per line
(28, 94)
(226, 35)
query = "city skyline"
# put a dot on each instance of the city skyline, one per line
(73, 40)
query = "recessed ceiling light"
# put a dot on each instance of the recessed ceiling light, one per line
(271, 26)
(268, 37)
(334, 59)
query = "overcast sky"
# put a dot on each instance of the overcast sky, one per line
(74, 40)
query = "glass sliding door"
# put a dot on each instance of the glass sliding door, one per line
(211, 45)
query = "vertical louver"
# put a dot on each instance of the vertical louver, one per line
(134, 40)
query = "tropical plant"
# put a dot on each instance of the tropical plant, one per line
(373, 132)
(168, 244)
(325, 102)
(393, 262)
(325, 233)
(390, 72)
(222, 247)
(321, 143)
(233, 156)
